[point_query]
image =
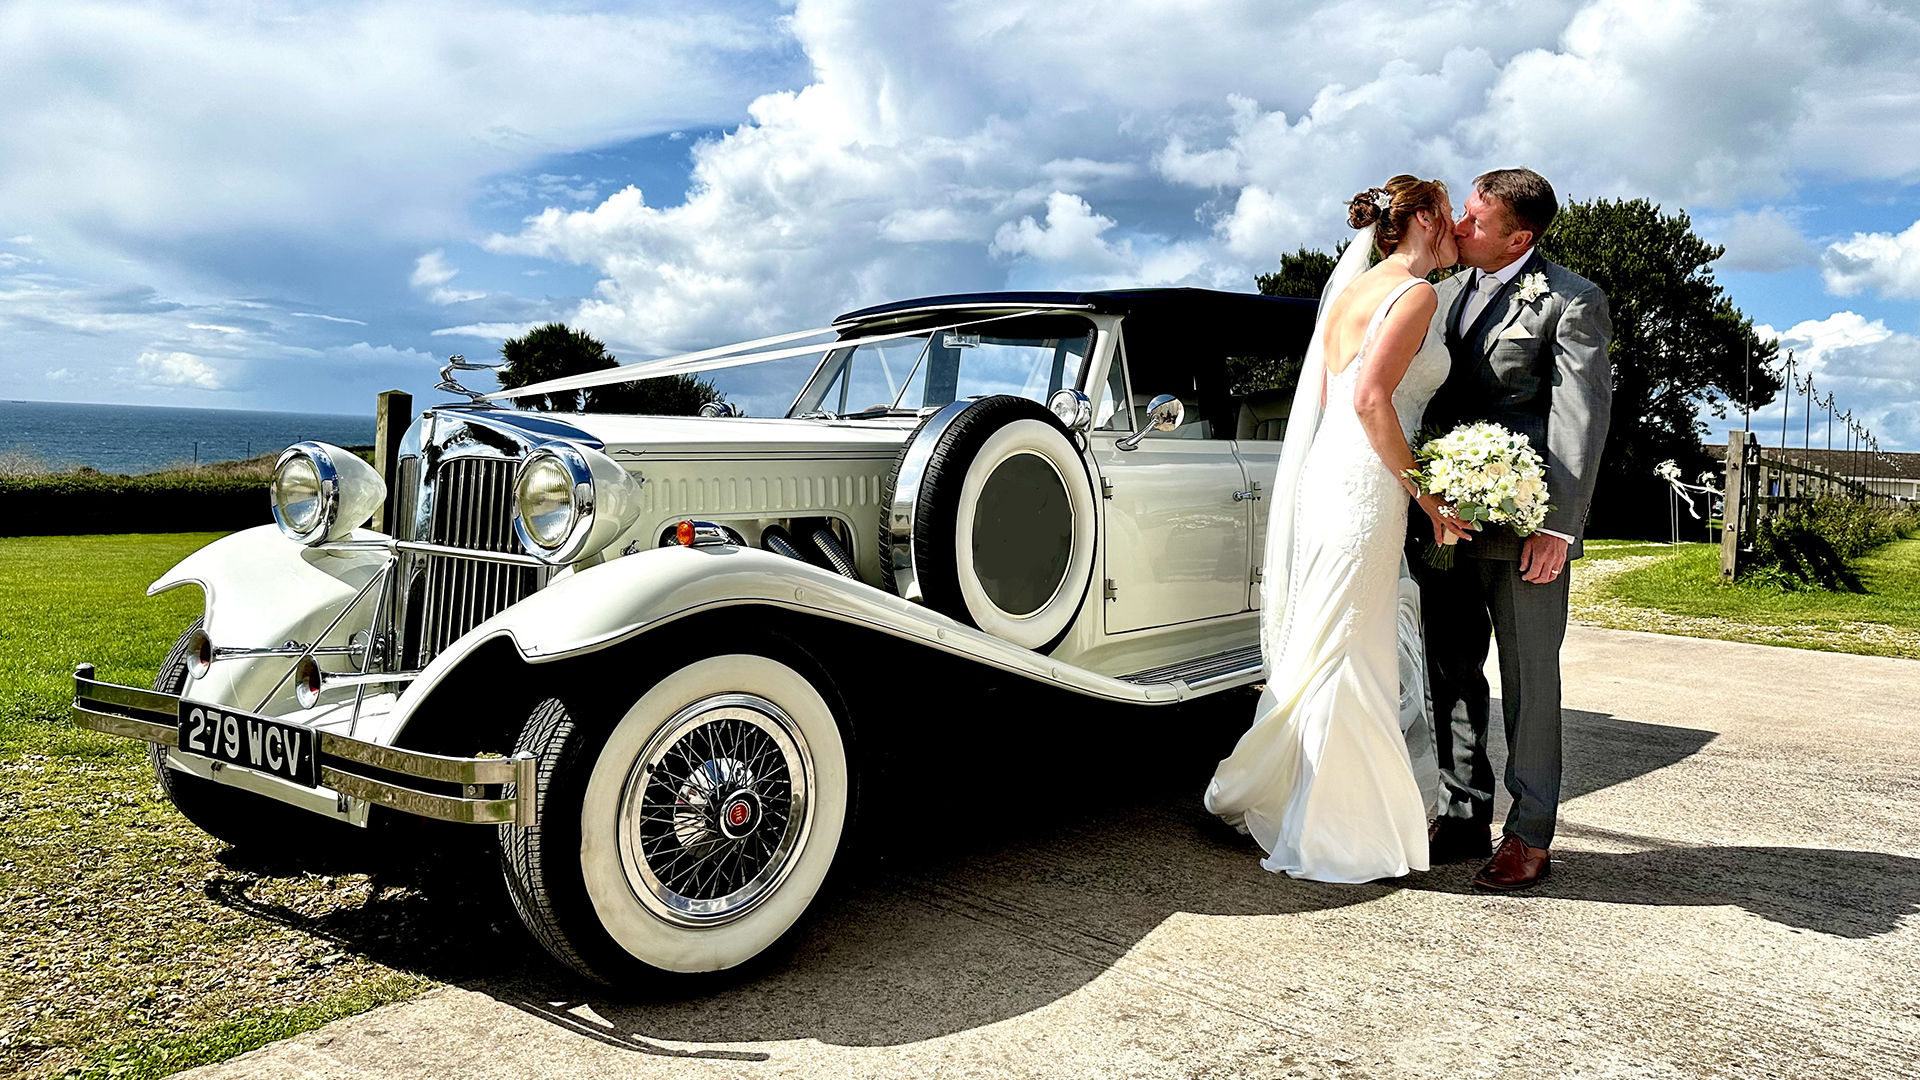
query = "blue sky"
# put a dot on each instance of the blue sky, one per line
(295, 205)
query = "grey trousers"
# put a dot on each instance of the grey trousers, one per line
(1459, 608)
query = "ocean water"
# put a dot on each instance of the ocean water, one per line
(147, 438)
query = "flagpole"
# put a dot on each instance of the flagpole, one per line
(1746, 404)
(1786, 402)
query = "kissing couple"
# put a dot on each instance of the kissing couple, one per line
(1367, 757)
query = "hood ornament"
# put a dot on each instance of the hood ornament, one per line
(456, 362)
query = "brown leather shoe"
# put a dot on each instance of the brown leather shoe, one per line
(1515, 866)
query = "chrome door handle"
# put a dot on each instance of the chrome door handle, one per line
(1245, 496)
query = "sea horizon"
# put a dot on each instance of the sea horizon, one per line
(64, 435)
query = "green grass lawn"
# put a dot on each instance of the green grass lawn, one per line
(1643, 586)
(135, 944)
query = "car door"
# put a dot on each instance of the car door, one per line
(1262, 424)
(1177, 542)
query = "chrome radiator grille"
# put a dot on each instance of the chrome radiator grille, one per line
(473, 509)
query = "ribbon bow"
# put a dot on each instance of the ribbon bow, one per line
(1669, 471)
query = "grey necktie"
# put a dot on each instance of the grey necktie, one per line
(1484, 286)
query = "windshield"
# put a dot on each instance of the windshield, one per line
(1026, 357)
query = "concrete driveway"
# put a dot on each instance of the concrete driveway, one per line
(1737, 876)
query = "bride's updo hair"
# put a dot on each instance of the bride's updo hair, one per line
(1390, 208)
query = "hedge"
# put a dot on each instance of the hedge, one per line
(1809, 546)
(59, 504)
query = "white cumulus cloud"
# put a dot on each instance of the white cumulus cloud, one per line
(1194, 144)
(1869, 368)
(1887, 263)
(431, 277)
(179, 369)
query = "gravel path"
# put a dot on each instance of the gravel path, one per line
(1736, 882)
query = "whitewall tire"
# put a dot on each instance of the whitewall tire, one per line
(990, 518)
(1046, 548)
(697, 834)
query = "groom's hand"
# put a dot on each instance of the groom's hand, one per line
(1542, 558)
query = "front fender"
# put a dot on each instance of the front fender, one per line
(265, 590)
(611, 603)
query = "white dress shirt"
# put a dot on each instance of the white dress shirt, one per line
(1481, 290)
(1479, 293)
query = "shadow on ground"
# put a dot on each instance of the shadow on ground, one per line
(998, 888)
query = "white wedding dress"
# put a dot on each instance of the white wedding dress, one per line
(1323, 780)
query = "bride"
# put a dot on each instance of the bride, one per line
(1323, 779)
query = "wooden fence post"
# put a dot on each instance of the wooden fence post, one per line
(1733, 524)
(391, 415)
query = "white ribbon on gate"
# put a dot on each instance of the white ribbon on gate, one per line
(1669, 471)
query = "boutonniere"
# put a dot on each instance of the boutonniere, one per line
(1533, 287)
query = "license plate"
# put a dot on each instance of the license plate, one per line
(255, 742)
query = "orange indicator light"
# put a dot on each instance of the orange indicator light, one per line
(684, 533)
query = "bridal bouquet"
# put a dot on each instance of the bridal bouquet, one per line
(1490, 476)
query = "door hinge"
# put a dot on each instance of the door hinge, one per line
(1259, 574)
(1106, 488)
(1110, 591)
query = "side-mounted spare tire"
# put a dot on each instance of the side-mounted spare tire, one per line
(989, 516)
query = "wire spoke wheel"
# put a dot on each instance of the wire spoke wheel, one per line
(715, 810)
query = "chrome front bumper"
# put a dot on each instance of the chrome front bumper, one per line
(135, 713)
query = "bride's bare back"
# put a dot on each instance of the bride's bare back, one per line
(1401, 332)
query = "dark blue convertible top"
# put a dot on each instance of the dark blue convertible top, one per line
(1193, 303)
(1236, 322)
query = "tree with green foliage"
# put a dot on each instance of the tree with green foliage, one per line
(1303, 274)
(553, 351)
(1679, 344)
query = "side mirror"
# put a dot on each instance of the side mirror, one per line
(721, 408)
(1164, 413)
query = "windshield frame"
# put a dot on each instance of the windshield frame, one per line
(831, 368)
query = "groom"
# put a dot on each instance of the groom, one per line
(1529, 345)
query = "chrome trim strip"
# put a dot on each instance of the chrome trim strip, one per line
(423, 548)
(1203, 671)
(110, 709)
(125, 697)
(332, 679)
(123, 725)
(1245, 673)
(425, 804)
(906, 497)
(415, 763)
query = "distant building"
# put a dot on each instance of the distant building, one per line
(1883, 473)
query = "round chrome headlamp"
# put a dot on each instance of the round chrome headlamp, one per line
(570, 501)
(321, 492)
(1074, 409)
(551, 496)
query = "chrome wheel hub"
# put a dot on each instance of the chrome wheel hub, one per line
(716, 810)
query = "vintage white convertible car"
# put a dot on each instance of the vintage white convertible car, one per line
(655, 651)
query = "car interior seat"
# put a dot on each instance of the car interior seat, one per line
(1263, 415)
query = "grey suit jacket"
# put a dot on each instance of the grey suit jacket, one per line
(1539, 367)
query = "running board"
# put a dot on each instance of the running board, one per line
(1238, 665)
